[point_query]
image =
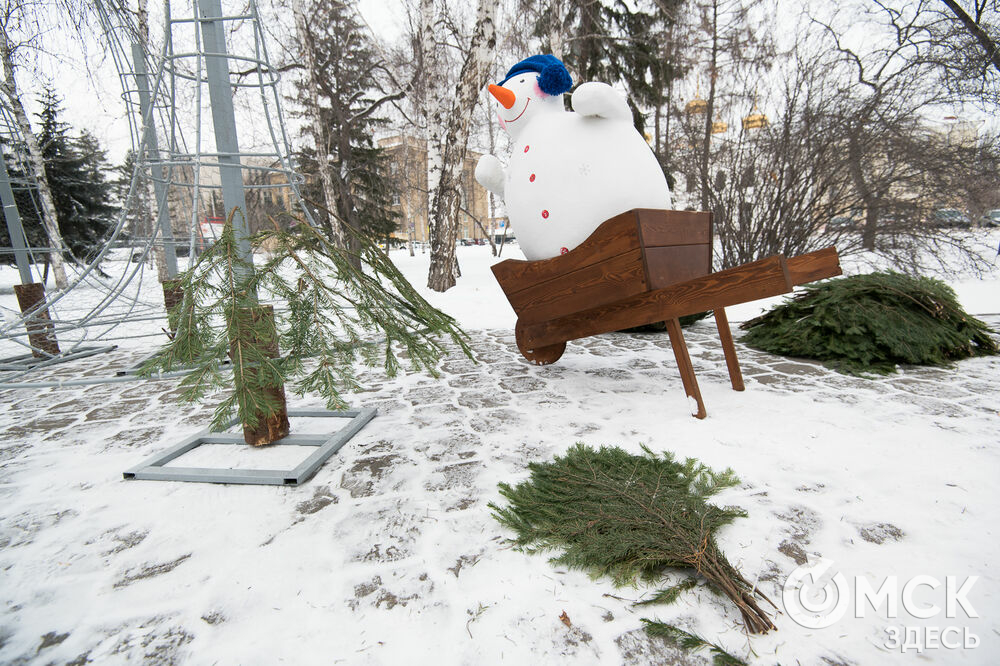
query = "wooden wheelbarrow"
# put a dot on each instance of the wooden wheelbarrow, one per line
(638, 268)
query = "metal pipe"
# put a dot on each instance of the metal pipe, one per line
(14, 228)
(152, 150)
(91, 382)
(224, 123)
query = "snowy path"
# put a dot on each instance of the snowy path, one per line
(389, 554)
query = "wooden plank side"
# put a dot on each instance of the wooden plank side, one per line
(749, 282)
(669, 265)
(598, 284)
(813, 266)
(674, 227)
(617, 236)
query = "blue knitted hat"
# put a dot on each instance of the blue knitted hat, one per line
(553, 78)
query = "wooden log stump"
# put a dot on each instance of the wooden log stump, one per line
(270, 426)
(173, 296)
(41, 332)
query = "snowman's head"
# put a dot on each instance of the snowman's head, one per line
(533, 86)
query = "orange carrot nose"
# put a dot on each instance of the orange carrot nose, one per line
(504, 95)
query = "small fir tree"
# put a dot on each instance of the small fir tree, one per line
(336, 317)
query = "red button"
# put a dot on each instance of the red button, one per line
(531, 178)
(526, 148)
(545, 213)
(563, 250)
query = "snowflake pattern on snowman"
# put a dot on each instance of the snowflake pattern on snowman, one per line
(569, 171)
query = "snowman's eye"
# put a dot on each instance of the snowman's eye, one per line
(520, 80)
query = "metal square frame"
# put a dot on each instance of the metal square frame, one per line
(153, 469)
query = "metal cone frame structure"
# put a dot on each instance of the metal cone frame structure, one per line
(190, 188)
(199, 43)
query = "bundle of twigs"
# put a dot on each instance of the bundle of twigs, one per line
(629, 517)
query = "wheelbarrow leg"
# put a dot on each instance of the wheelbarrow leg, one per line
(684, 365)
(726, 337)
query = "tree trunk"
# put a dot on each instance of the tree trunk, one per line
(50, 220)
(434, 101)
(345, 204)
(665, 147)
(159, 258)
(710, 111)
(320, 136)
(271, 425)
(868, 198)
(992, 48)
(555, 28)
(447, 159)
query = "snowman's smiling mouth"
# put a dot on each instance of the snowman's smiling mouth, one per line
(522, 110)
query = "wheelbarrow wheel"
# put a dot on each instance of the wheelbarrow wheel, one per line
(540, 355)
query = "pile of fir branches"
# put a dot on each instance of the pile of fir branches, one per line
(870, 323)
(335, 315)
(629, 517)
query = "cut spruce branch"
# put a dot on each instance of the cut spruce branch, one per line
(668, 595)
(337, 315)
(870, 323)
(629, 517)
(690, 642)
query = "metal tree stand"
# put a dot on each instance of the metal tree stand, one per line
(154, 468)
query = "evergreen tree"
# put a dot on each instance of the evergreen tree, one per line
(614, 43)
(345, 92)
(76, 170)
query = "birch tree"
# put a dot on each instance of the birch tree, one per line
(15, 15)
(449, 117)
(311, 96)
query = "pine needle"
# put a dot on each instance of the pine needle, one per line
(690, 642)
(668, 595)
(870, 323)
(630, 518)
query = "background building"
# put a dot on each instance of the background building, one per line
(408, 162)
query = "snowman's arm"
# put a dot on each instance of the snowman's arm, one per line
(490, 174)
(600, 99)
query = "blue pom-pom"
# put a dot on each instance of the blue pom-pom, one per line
(554, 80)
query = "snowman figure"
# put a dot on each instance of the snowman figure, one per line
(569, 171)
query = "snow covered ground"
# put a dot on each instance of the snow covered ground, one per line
(390, 555)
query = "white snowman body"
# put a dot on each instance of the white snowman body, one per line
(571, 171)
